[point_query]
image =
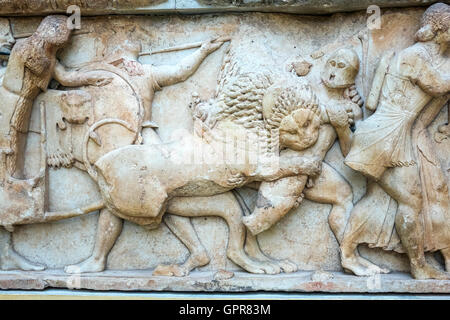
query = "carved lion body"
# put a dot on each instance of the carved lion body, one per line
(137, 181)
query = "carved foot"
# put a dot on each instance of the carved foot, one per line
(176, 270)
(275, 267)
(171, 270)
(428, 272)
(278, 266)
(14, 261)
(270, 267)
(254, 251)
(362, 267)
(288, 266)
(88, 265)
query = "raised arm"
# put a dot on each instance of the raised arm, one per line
(172, 74)
(71, 78)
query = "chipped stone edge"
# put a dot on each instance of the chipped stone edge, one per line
(142, 280)
(198, 7)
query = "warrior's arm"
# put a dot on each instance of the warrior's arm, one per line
(421, 72)
(171, 74)
(275, 200)
(345, 137)
(76, 78)
(431, 111)
(339, 118)
(291, 163)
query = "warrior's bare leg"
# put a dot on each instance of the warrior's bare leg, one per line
(403, 184)
(108, 230)
(331, 188)
(11, 260)
(225, 206)
(356, 228)
(183, 229)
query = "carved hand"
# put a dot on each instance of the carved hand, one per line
(206, 114)
(340, 116)
(211, 45)
(200, 112)
(352, 94)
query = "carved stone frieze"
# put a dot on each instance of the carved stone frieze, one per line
(208, 152)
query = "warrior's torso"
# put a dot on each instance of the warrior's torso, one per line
(384, 139)
(142, 78)
(400, 93)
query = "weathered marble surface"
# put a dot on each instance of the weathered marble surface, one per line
(141, 280)
(91, 7)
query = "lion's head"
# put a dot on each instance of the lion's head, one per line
(285, 114)
(291, 113)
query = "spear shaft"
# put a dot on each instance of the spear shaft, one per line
(183, 47)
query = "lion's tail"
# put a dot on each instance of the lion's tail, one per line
(60, 215)
(90, 133)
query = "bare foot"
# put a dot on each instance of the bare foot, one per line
(288, 266)
(14, 261)
(253, 266)
(361, 267)
(428, 272)
(171, 270)
(223, 275)
(275, 268)
(88, 265)
(373, 267)
(278, 266)
(270, 267)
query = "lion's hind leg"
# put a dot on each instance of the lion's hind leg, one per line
(183, 229)
(224, 206)
(253, 248)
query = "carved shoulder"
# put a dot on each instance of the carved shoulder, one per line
(411, 61)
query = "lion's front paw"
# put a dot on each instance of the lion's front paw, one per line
(171, 270)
